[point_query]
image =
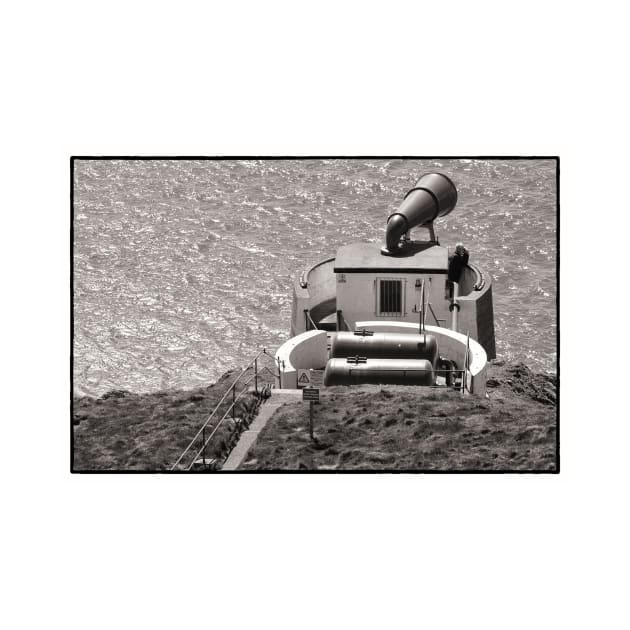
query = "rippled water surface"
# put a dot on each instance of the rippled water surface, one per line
(183, 269)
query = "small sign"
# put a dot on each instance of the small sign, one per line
(303, 378)
(310, 393)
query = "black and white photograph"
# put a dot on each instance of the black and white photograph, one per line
(314, 315)
(318, 314)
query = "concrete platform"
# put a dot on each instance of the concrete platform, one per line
(278, 398)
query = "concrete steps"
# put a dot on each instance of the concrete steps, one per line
(278, 398)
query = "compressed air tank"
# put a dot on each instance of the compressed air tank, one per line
(378, 371)
(373, 345)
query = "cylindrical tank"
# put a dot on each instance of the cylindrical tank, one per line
(384, 346)
(384, 371)
(434, 195)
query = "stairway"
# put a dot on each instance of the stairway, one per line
(248, 438)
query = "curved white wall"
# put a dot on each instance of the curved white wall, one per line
(322, 287)
(308, 350)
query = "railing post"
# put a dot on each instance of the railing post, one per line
(279, 373)
(233, 401)
(306, 319)
(256, 374)
(467, 361)
(437, 321)
(203, 441)
(422, 316)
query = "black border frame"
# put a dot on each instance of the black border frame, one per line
(556, 158)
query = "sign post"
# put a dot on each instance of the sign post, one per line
(312, 395)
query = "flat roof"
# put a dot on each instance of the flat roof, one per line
(367, 258)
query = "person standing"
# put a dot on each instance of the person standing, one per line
(457, 263)
(455, 268)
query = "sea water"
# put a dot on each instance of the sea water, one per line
(183, 269)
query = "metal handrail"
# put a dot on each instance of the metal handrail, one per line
(437, 321)
(466, 359)
(216, 428)
(305, 274)
(307, 312)
(229, 389)
(481, 281)
(462, 373)
(339, 314)
(281, 370)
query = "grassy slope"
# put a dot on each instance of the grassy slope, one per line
(405, 428)
(124, 431)
(358, 428)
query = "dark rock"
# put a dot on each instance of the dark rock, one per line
(379, 457)
(114, 393)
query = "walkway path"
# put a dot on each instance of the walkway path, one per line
(278, 398)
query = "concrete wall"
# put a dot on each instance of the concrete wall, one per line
(357, 297)
(485, 322)
(467, 281)
(318, 297)
(476, 317)
(451, 345)
(309, 350)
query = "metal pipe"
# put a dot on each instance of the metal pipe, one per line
(454, 306)
(437, 321)
(434, 195)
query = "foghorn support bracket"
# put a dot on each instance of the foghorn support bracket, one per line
(432, 235)
(405, 240)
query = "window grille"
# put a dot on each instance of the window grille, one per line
(390, 298)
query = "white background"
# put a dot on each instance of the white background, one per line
(184, 78)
